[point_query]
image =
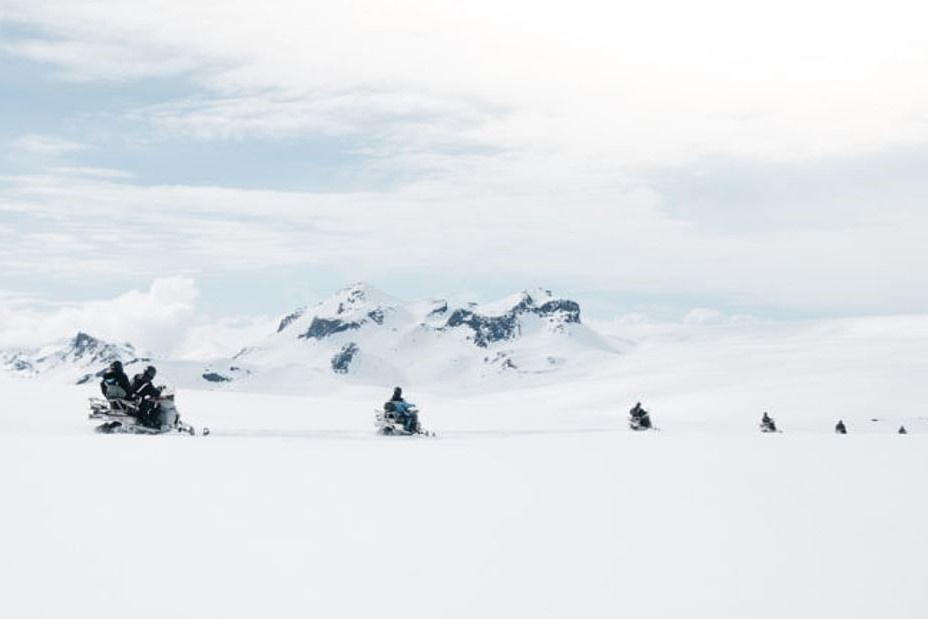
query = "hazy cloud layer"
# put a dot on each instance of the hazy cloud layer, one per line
(721, 152)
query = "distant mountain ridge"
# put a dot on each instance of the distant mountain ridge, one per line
(83, 353)
(362, 335)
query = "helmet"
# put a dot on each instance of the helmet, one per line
(116, 366)
(150, 372)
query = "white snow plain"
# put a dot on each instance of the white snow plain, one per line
(536, 502)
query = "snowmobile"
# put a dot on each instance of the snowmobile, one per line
(389, 423)
(122, 416)
(768, 425)
(640, 419)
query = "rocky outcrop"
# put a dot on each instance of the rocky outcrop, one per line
(81, 352)
(289, 318)
(506, 325)
(323, 327)
(215, 377)
(341, 361)
(487, 329)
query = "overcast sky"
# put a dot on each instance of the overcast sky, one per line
(643, 156)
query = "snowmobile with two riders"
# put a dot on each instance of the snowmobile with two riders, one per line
(639, 418)
(138, 407)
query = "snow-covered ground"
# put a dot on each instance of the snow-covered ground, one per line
(534, 502)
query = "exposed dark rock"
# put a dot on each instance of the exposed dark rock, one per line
(82, 343)
(289, 318)
(323, 327)
(376, 315)
(214, 377)
(243, 352)
(20, 365)
(502, 359)
(341, 361)
(490, 329)
(440, 308)
(487, 329)
(355, 296)
(569, 311)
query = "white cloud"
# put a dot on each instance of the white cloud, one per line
(618, 83)
(525, 135)
(45, 145)
(156, 319)
(225, 337)
(607, 239)
(105, 173)
(703, 316)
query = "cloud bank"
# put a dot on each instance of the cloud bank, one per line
(727, 154)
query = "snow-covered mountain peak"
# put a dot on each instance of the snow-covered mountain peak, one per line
(356, 298)
(81, 353)
(538, 301)
(366, 335)
(88, 350)
(505, 319)
(347, 310)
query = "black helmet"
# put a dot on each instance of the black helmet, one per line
(397, 392)
(150, 372)
(116, 366)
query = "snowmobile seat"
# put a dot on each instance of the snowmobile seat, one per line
(114, 392)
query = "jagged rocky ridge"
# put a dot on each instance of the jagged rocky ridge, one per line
(84, 358)
(82, 352)
(362, 333)
(496, 328)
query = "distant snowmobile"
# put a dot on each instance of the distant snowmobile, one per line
(639, 419)
(767, 424)
(840, 428)
(391, 423)
(902, 430)
(122, 416)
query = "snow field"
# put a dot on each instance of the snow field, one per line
(293, 508)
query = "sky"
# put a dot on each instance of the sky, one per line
(243, 158)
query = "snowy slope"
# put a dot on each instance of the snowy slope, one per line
(524, 506)
(77, 360)
(83, 358)
(364, 336)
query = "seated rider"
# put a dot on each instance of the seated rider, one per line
(841, 428)
(398, 406)
(115, 384)
(767, 422)
(639, 416)
(147, 395)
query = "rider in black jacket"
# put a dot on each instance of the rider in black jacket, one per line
(115, 379)
(147, 394)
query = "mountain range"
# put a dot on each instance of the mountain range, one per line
(364, 336)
